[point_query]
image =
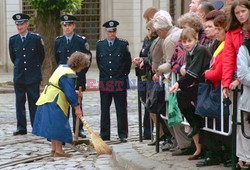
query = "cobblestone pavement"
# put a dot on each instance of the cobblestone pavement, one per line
(29, 146)
(15, 148)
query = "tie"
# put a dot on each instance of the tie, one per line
(68, 40)
(110, 44)
(23, 39)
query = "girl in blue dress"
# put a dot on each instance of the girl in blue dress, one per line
(51, 119)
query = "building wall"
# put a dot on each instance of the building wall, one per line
(8, 9)
(130, 15)
(128, 12)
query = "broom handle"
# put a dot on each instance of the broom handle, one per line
(77, 119)
(86, 125)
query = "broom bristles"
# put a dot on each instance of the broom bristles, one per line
(100, 146)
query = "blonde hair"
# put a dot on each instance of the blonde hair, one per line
(79, 60)
(188, 33)
(150, 26)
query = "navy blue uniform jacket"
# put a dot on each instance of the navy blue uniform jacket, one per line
(114, 64)
(64, 50)
(27, 58)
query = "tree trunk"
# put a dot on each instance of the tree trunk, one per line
(48, 26)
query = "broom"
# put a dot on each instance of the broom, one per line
(100, 146)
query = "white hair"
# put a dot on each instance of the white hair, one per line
(162, 20)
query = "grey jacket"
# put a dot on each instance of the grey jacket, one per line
(243, 73)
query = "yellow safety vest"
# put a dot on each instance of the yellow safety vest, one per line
(52, 90)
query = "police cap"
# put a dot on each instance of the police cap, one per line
(66, 18)
(20, 18)
(111, 25)
(218, 5)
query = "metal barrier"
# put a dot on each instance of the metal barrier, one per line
(213, 128)
(232, 121)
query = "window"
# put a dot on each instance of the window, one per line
(27, 9)
(88, 23)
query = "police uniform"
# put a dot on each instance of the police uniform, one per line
(114, 63)
(27, 54)
(64, 47)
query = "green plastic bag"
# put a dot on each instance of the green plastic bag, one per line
(174, 113)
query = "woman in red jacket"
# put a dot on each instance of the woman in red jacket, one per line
(238, 27)
(214, 74)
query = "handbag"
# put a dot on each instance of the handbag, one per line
(208, 101)
(155, 101)
(174, 113)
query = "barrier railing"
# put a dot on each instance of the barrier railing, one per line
(226, 131)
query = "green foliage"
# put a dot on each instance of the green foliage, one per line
(53, 6)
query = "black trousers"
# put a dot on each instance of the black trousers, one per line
(32, 92)
(120, 99)
(186, 100)
(142, 92)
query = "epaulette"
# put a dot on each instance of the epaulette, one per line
(14, 35)
(81, 36)
(36, 34)
(59, 37)
(100, 40)
(122, 39)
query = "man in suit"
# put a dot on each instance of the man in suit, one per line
(67, 44)
(114, 62)
(27, 54)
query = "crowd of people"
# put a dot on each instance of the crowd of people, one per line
(207, 45)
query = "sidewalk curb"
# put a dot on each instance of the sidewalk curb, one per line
(7, 90)
(126, 157)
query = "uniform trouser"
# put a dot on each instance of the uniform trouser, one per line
(120, 99)
(186, 101)
(32, 91)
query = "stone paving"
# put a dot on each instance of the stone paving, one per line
(13, 148)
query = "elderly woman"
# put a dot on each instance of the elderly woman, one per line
(211, 141)
(51, 119)
(170, 34)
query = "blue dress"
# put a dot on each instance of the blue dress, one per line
(50, 121)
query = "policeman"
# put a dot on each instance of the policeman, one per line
(67, 44)
(114, 62)
(27, 54)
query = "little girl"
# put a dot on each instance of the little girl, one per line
(197, 61)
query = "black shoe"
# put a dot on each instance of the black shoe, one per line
(194, 131)
(123, 140)
(105, 138)
(154, 142)
(20, 132)
(146, 137)
(208, 162)
(81, 134)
